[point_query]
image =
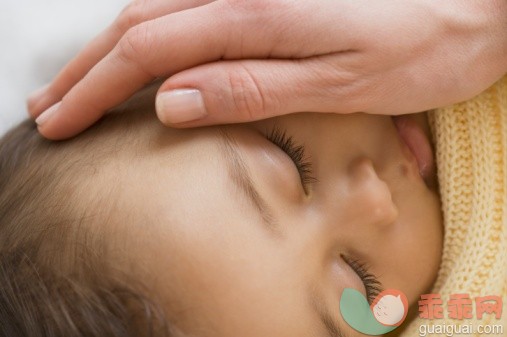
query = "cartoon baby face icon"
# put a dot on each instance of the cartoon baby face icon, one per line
(386, 313)
(390, 307)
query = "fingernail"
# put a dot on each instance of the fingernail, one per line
(180, 105)
(46, 115)
(37, 95)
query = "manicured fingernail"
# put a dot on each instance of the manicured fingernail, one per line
(46, 115)
(37, 95)
(180, 105)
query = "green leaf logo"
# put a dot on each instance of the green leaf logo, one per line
(386, 313)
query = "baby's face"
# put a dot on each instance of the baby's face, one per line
(227, 234)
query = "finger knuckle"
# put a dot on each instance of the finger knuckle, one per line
(135, 45)
(132, 15)
(249, 101)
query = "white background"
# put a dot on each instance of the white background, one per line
(37, 37)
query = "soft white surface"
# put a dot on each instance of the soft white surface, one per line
(37, 37)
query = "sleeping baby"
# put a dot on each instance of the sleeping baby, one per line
(249, 230)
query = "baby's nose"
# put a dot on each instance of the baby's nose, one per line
(370, 198)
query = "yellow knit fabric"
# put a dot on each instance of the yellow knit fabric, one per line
(471, 153)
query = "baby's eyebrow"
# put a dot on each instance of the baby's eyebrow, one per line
(238, 171)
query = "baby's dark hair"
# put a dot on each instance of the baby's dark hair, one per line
(57, 276)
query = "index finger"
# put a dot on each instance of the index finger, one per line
(167, 45)
(156, 48)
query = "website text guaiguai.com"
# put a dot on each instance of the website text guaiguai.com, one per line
(456, 330)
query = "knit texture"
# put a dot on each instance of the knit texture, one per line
(471, 153)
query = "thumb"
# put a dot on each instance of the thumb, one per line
(249, 90)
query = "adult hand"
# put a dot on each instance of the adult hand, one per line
(242, 60)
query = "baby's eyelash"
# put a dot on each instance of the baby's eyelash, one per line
(371, 283)
(296, 152)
